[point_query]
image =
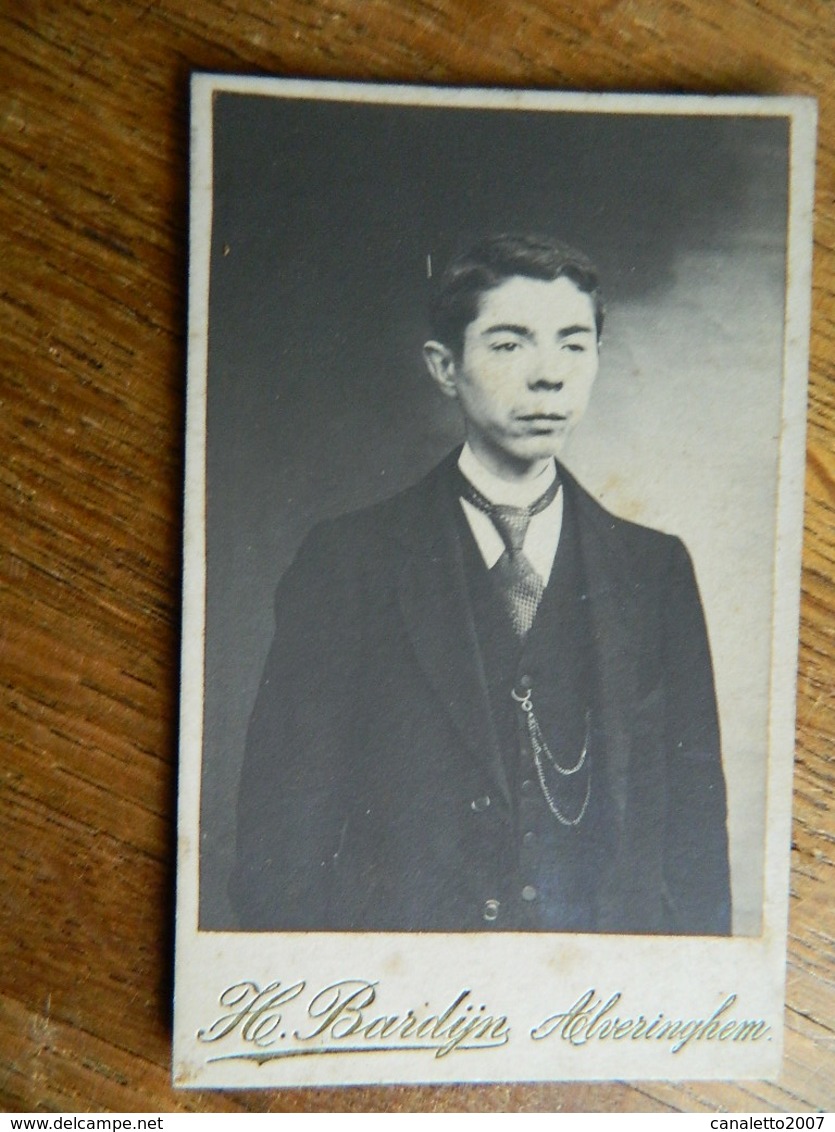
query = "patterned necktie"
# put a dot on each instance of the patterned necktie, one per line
(521, 586)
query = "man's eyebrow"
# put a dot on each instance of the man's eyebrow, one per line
(509, 328)
(577, 328)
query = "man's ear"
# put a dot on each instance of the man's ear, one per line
(440, 362)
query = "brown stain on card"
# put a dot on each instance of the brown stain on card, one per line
(615, 497)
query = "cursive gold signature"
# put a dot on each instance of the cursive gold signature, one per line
(342, 1018)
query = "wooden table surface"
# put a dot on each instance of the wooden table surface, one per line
(93, 174)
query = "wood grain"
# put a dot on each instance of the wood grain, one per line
(92, 289)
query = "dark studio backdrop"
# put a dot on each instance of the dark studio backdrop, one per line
(328, 217)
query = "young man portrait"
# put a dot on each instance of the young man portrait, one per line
(489, 703)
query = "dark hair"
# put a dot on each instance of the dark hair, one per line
(493, 261)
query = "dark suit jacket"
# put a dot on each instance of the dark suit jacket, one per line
(372, 737)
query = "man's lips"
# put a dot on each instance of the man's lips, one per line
(553, 417)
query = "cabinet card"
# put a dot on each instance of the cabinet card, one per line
(494, 485)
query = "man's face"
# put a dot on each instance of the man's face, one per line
(525, 373)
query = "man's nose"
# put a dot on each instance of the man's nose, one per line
(548, 371)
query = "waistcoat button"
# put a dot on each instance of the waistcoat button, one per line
(529, 892)
(491, 910)
(479, 804)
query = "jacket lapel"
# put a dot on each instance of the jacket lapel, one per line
(436, 609)
(615, 621)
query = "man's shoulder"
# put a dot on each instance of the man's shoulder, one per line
(410, 515)
(623, 552)
(591, 510)
(422, 514)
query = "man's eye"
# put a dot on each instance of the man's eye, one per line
(505, 347)
(575, 347)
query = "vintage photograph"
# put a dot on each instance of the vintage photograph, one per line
(487, 461)
(489, 702)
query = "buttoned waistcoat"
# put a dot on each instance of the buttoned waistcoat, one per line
(372, 745)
